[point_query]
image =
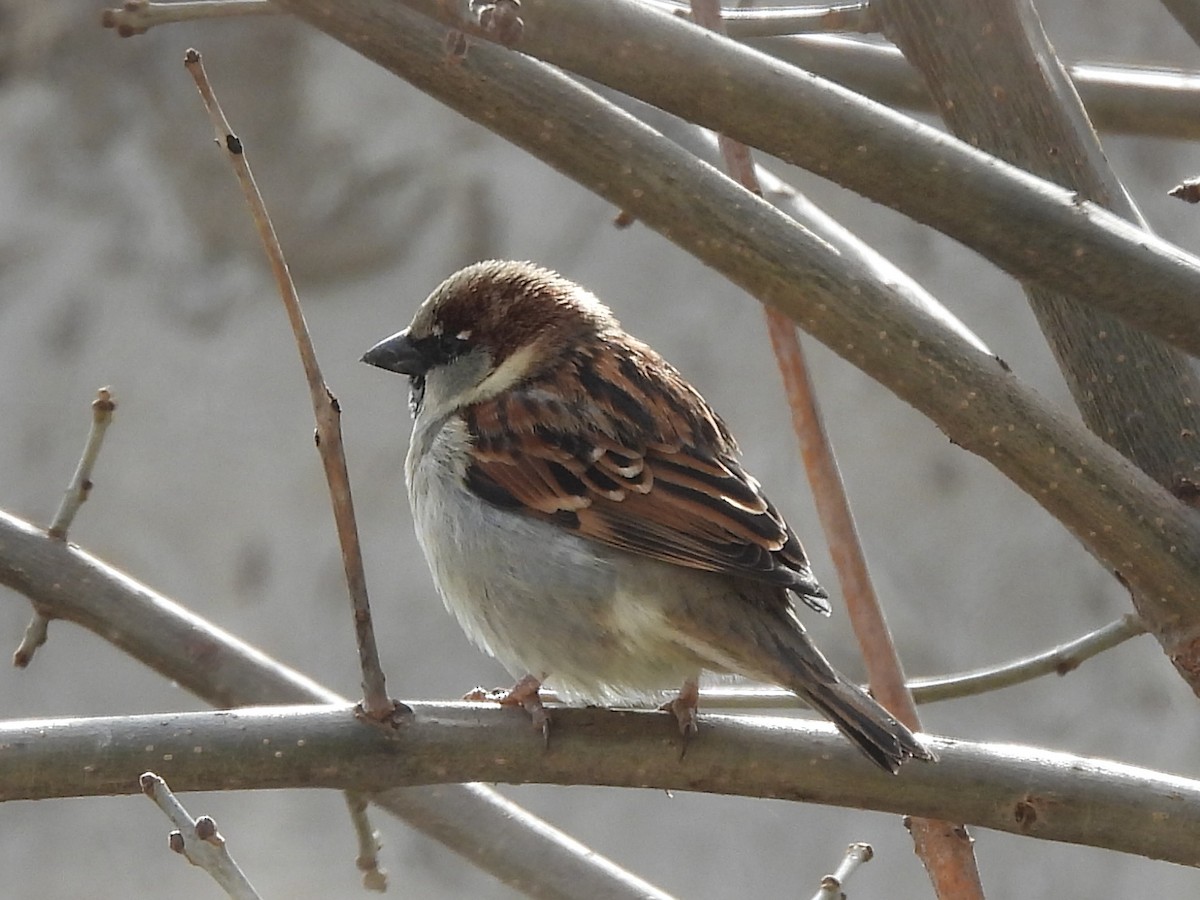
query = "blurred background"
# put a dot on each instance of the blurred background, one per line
(127, 259)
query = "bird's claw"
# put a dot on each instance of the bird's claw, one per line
(523, 694)
(683, 708)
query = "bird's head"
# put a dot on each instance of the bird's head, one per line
(487, 328)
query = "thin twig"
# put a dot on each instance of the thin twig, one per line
(37, 631)
(1120, 99)
(199, 841)
(81, 482)
(374, 876)
(1187, 190)
(950, 863)
(1058, 660)
(139, 16)
(831, 885)
(376, 703)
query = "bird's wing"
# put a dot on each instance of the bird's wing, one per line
(616, 447)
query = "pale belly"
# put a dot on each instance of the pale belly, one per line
(592, 621)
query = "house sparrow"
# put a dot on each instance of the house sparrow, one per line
(584, 513)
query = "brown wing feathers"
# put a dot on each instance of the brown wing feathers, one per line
(653, 471)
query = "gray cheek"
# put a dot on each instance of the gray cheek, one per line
(446, 386)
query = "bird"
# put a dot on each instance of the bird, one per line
(585, 516)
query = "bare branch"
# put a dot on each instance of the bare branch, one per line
(199, 840)
(81, 482)
(1141, 100)
(1022, 790)
(1035, 230)
(77, 492)
(35, 635)
(762, 21)
(376, 703)
(139, 16)
(1058, 660)
(1138, 100)
(831, 885)
(1187, 14)
(1187, 190)
(374, 876)
(1007, 92)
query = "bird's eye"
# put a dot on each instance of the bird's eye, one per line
(440, 348)
(451, 346)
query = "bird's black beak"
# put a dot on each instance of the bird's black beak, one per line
(399, 353)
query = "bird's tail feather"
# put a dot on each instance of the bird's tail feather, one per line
(772, 646)
(859, 717)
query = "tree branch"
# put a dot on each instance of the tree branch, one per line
(1021, 790)
(377, 705)
(762, 21)
(998, 83)
(1057, 660)
(1187, 14)
(1137, 100)
(1034, 230)
(199, 841)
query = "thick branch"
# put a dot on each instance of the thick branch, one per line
(1187, 14)
(1140, 100)
(999, 85)
(1023, 790)
(1034, 230)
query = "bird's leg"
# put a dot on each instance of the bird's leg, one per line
(683, 707)
(523, 694)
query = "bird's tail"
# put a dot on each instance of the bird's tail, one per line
(883, 740)
(771, 645)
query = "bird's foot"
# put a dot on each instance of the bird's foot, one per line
(683, 708)
(523, 694)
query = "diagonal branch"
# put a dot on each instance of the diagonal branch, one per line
(1034, 230)
(1187, 14)
(328, 415)
(763, 21)
(1151, 101)
(998, 83)
(1122, 99)
(198, 840)
(76, 494)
